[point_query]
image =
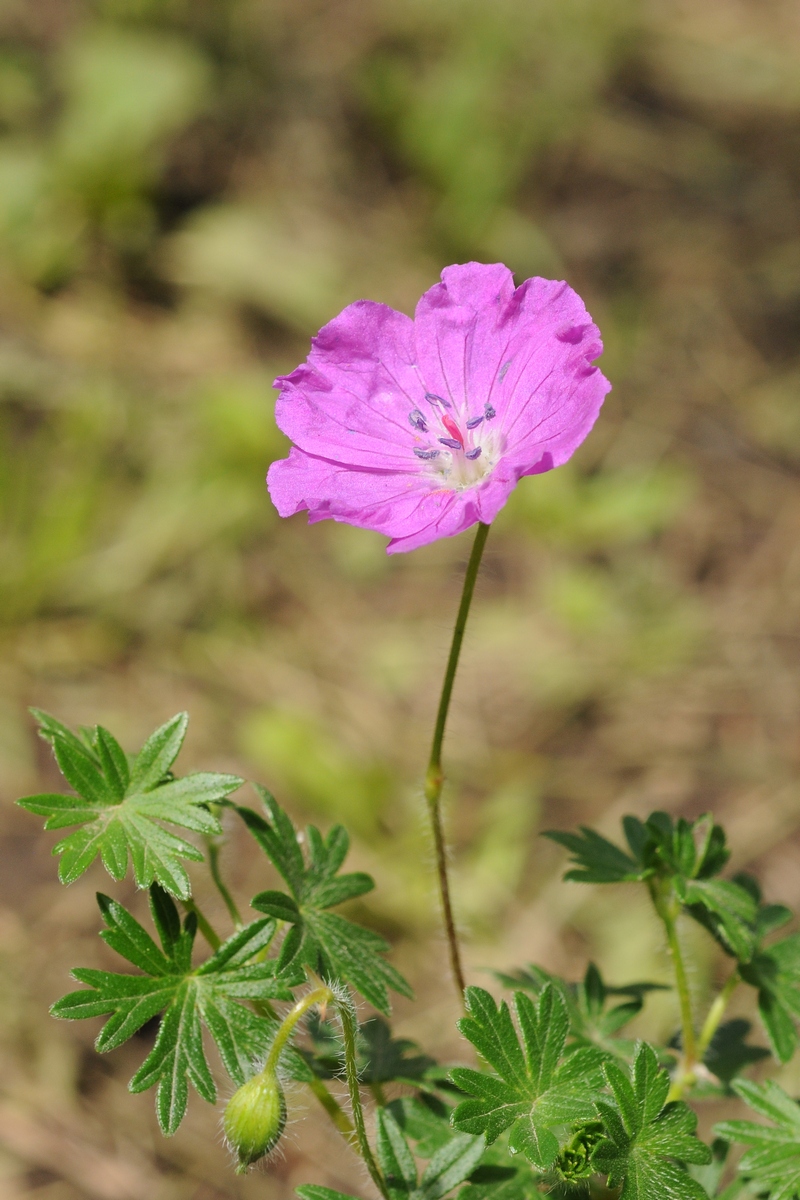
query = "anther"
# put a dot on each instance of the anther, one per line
(426, 453)
(503, 370)
(473, 454)
(417, 420)
(474, 422)
(488, 411)
(452, 443)
(433, 398)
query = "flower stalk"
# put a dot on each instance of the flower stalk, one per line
(434, 778)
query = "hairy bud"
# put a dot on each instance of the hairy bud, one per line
(255, 1117)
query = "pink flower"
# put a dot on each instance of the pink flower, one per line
(420, 428)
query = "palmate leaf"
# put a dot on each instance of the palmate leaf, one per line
(449, 1166)
(773, 1160)
(593, 1015)
(645, 1135)
(538, 1086)
(189, 998)
(330, 945)
(120, 805)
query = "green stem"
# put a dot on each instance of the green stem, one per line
(348, 1020)
(203, 924)
(434, 778)
(230, 903)
(668, 909)
(334, 1110)
(715, 1015)
(320, 995)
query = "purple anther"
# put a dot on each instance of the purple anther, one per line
(488, 411)
(452, 443)
(426, 454)
(434, 399)
(473, 454)
(417, 420)
(474, 422)
(503, 370)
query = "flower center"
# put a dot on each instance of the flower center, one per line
(459, 455)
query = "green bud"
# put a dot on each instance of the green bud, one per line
(255, 1118)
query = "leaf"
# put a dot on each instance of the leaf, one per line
(315, 1191)
(189, 998)
(727, 910)
(597, 860)
(775, 972)
(121, 809)
(592, 1018)
(449, 1166)
(330, 945)
(645, 1135)
(773, 1160)
(536, 1086)
(728, 1053)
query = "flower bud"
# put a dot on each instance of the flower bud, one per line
(255, 1117)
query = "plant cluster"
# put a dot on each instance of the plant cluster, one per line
(559, 1099)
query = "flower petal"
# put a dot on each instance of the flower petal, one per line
(351, 400)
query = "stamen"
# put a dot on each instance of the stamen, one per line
(432, 397)
(473, 454)
(503, 370)
(474, 422)
(488, 411)
(426, 454)
(417, 420)
(453, 429)
(451, 442)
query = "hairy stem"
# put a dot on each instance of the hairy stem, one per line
(715, 1014)
(230, 903)
(349, 1026)
(319, 996)
(434, 778)
(203, 924)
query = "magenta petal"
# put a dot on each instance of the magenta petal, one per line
(351, 400)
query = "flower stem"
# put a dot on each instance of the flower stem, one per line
(716, 1013)
(434, 778)
(203, 924)
(348, 1020)
(230, 903)
(321, 996)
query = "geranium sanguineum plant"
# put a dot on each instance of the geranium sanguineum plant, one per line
(421, 428)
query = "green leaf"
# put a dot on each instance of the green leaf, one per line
(315, 1191)
(775, 972)
(449, 1166)
(727, 910)
(729, 1053)
(189, 998)
(773, 1160)
(593, 1019)
(645, 1135)
(330, 945)
(537, 1085)
(597, 860)
(121, 810)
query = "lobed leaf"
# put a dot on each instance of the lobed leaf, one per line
(120, 809)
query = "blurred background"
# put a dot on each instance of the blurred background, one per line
(188, 189)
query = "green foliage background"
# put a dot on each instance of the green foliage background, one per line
(188, 188)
